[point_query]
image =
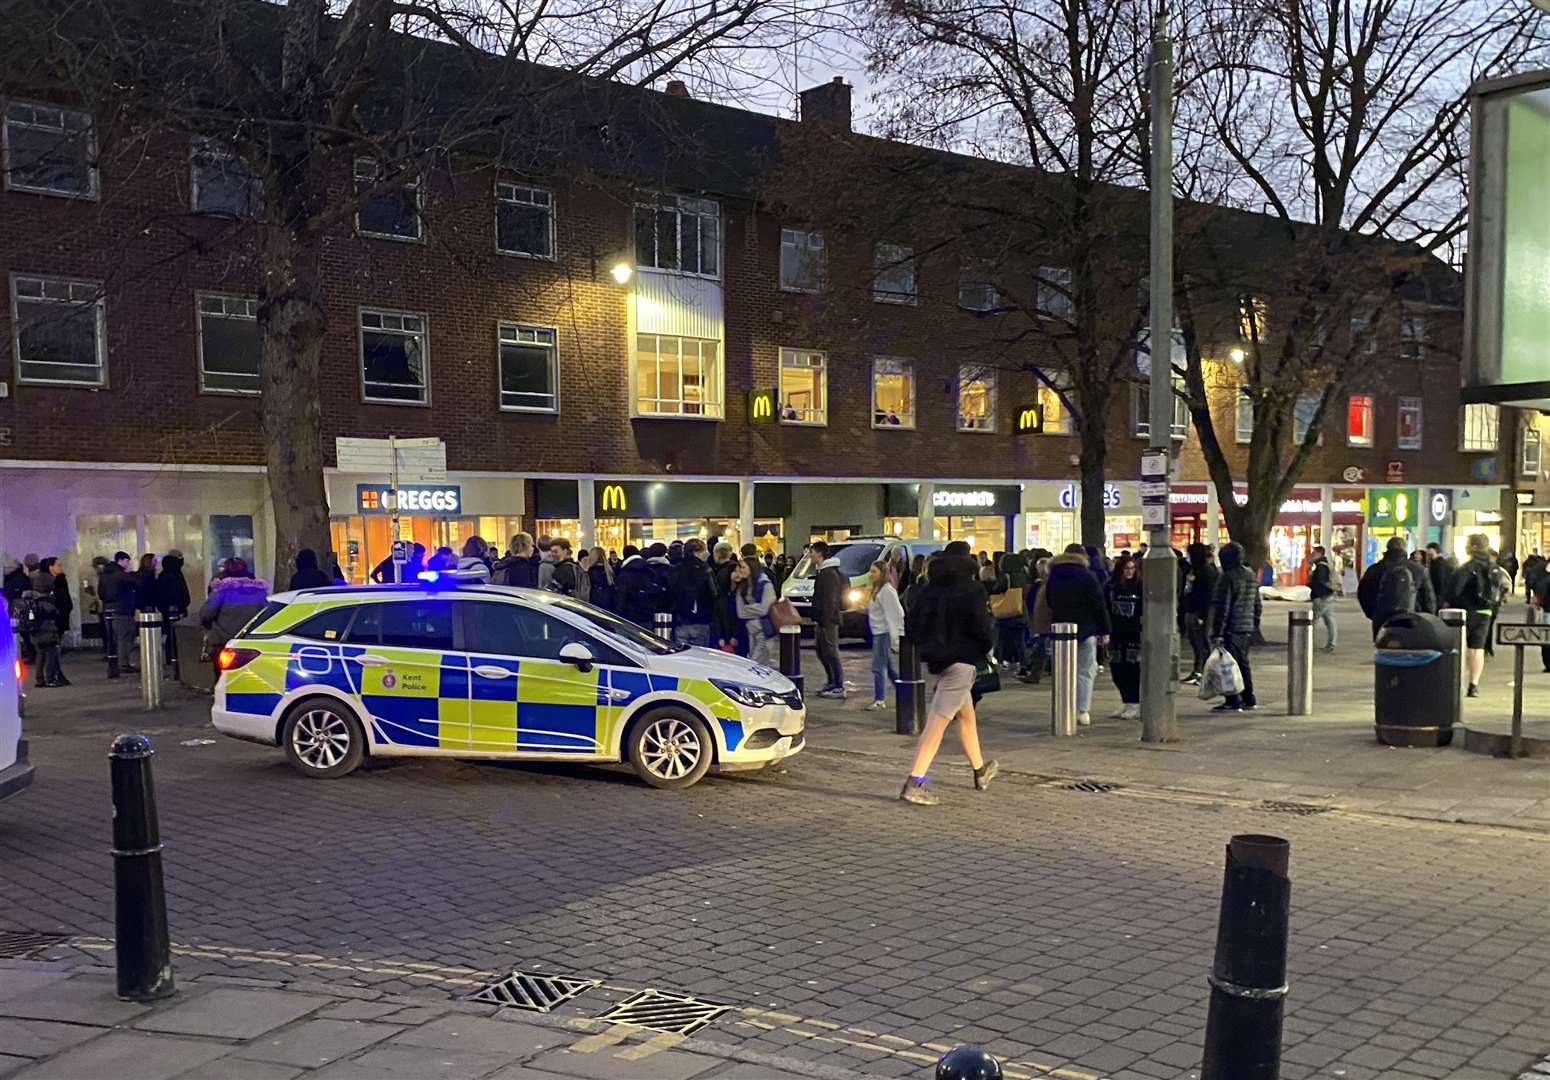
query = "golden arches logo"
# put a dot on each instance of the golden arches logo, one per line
(1028, 419)
(763, 407)
(613, 497)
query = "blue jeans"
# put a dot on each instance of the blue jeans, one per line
(692, 634)
(1086, 672)
(1324, 612)
(883, 670)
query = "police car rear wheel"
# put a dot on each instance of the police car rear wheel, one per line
(671, 748)
(323, 741)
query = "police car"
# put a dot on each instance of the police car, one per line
(448, 668)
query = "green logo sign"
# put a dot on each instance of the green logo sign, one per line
(1393, 508)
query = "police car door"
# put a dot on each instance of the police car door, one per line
(411, 680)
(522, 695)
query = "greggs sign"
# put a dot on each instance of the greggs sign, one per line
(412, 499)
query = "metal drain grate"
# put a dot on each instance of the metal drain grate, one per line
(1300, 809)
(17, 944)
(1093, 786)
(677, 1014)
(533, 992)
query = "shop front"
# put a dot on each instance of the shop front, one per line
(982, 516)
(1297, 530)
(1052, 516)
(435, 515)
(645, 512)
(1392, 512)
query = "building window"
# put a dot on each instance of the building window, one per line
(1052, 407)
(976, 289)
(1141, 414)
(1243, 420)
(678, 233)
(893, 274)
(1363, 341)
(893, 393)
(524, 221)
(221, 182)
(1358, 420)
(976, 398)
(228, 344)
(677, 376)
(60, 331)
(49, 150)
(1530, 462)
(1409, 424)
(1251, 318)
(804, 387)
(393, 214)
(1055, 299)
(1412, 338)
(394, 358)
(802, 266)
(1479, 427)
(530, 368)
(1303, 412)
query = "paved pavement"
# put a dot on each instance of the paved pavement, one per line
(848, 934)
(1330, 758)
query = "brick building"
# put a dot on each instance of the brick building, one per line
(614, 361)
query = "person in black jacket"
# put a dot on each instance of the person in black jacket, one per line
(1236, 607)
(172, 600)
(1321, 588)
(829, 587)
(724, 624)
(116, 589)
(1196, 606)
(307, 575)
(1072, 593)
(951, 627)
(636, 592)
(1440, 568)
(1380, 602)
(694, 595)
(1125, 602)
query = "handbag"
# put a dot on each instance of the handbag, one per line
(987, 679)
(782, 613)
(1007, 605)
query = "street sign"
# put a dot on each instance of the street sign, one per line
(1522, 634)
(1153, 489)
(1154, 463)
(1154, 516)
(420, 461)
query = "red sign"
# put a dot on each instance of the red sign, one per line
(1395, 473)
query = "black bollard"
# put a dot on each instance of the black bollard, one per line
(141, 943)
(909, 691)
(110, 640)
(1248, 977)
(791, 655)
(967, 1063)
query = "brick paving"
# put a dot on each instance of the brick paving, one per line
(1065, 930)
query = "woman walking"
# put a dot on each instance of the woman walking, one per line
(885, 618)
(1125, 635)
(950, 625)
(755, 594)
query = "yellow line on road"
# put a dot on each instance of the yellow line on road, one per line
(604, 1039)
(664, 1040)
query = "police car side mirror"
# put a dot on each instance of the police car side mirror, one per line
(574, 652)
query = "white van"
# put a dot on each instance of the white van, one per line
(15, 769)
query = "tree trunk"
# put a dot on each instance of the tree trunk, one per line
(1094, 450)
(291, 323)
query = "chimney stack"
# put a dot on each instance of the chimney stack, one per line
(827, 103)
(676, 88)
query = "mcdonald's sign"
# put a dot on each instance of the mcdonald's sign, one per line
(612, 499)
(761, 406)
(1030, 420)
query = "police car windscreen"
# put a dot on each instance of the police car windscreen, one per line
(612, 625)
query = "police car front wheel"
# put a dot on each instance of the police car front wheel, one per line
(322, 740)
(671, 748)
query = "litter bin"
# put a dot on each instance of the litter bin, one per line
(1416, 696)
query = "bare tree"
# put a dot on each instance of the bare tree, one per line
(1343, 126)
(297, 95)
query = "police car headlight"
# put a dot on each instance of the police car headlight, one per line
(753, 696)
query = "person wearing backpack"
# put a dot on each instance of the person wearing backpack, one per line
(40, 621)
(1475, 592)
(1393, 584)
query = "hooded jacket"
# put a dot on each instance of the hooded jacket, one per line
(1201, 583)
(307, 575)
(1319, 583)
(1071, 594)
(1370, 588)
(948, 620)
(694, 592)
(1235, 602)
(518, 571)
(636, 592)
(172, 589)
(116, 588)
(233, 601)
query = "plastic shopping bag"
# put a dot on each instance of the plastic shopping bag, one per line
(1222, 675)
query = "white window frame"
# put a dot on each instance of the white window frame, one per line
(1057, 419)
(1140, 412)
(682, 206)
(6, 105)
(1364, 342)
(894, 365)
(235, 307)
(509, 191)
(1351, 438)
(793, 243)
(1409, 406)
(1527, 468)
(423, 333)
(1298, 438)
(1474, 422)
(1051, 302)
(93, 289)
(711, 409)
(357, 175)
(822, 413)
(986, 376)
(517, 329)
(1412, 337)
(1253, 318)
(209, 147)
(1243, 433)
(897, 259)
(974, 275)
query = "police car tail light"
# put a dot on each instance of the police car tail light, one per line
(229, 659)
(19, 670)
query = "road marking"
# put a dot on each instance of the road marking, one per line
(663, 1040)
(601, 1041)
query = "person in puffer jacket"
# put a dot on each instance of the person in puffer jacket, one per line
(235, 597)
(1235, 612)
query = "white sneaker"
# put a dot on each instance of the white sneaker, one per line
(1130, 712)
(876, 706)
(1119, 713)
(1084, 719)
